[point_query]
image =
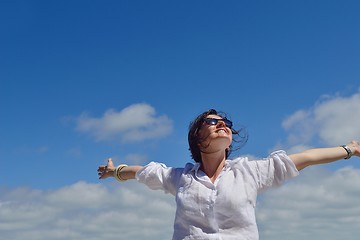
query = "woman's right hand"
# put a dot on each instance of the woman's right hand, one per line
(355, 147)
(105, 171)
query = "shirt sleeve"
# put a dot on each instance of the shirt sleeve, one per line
(158, 176)
(273, 170)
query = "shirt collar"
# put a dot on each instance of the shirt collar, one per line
(196, 166)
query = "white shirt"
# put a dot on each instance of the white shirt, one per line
(226, 209)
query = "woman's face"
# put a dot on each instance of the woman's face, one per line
(214, 135)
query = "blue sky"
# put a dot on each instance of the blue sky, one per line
(79, 77)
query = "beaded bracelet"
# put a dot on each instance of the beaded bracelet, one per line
(348, 150)
(117, 172)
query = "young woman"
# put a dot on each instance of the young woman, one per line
(216, 197)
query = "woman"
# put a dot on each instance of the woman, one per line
(216, 197)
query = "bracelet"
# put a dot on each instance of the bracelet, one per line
(117, 172)
(348, 150)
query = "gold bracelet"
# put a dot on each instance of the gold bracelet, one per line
(117, 172)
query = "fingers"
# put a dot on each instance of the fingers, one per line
(102, 175)
(110, 163)
(101, 168)
(104, 167)
(355, 147)
(354, 143)
(101, 171)
(104, 171)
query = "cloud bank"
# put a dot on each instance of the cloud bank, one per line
(86, 211)
(332, 121)
(316, 205)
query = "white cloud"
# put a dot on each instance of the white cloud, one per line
(316, 205)
(333, 121)
(133, 123)
(86, 211)
(297, 148)
(301, 126)
(339, 119)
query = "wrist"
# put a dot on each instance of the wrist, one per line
(117, 172)
(348, 150)
(111, 171)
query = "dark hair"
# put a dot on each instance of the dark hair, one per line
(239, 136)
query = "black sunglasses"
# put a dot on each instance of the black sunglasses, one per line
(214, 121)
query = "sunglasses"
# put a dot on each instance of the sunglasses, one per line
(214, 121)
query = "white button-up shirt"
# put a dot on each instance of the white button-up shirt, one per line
(224, 209)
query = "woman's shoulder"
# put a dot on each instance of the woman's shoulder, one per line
(238, 160)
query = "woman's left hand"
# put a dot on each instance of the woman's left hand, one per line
(106, 171)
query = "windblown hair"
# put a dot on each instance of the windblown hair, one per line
(240, 136)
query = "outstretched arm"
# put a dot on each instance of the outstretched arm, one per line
(126, 172)
(323, 155)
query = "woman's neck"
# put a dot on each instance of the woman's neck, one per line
(212, 164)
